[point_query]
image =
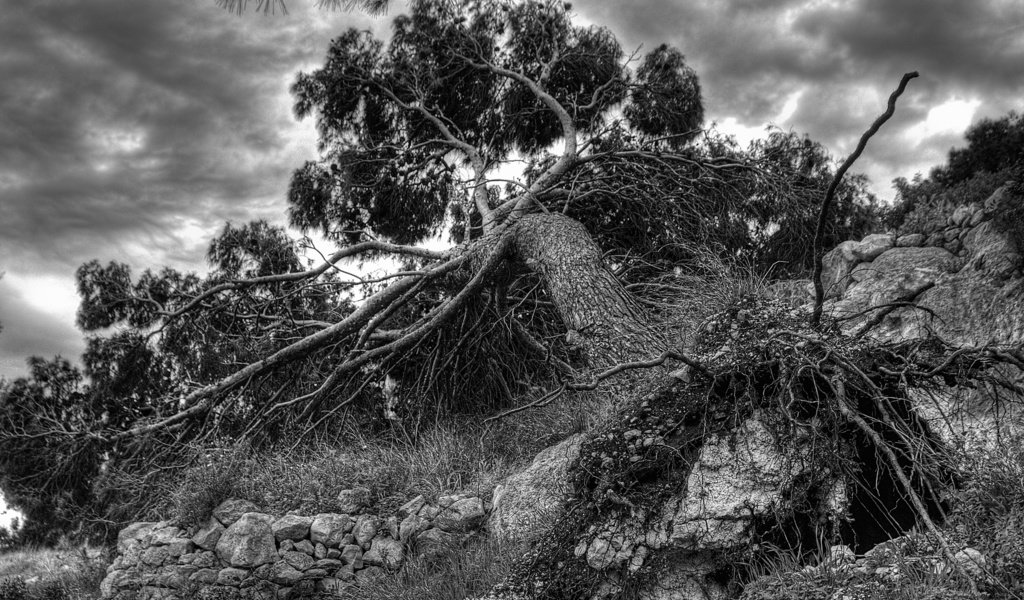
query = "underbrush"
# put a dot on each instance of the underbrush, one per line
(446, 459)
(987, 516)
(48, 574)
(453, 573)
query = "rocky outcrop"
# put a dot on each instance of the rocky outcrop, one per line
(964, 283)
(253, 555)
(529, 501)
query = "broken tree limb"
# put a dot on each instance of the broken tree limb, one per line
(819, 232)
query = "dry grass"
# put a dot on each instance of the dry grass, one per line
(51, 574)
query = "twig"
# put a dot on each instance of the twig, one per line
(819, 232)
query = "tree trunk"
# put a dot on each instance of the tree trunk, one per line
(599, 313)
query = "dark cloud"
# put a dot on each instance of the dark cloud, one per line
(844, 58)
(132, 131)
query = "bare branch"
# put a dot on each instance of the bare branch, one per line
(819, 232)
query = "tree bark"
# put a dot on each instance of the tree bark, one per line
(600, 315)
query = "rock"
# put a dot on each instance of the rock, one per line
(329, 529)
(291, 527)
(132, 535)
(462, 515)
(370, 576)
(204, 560)
(430, 512)
(334, 552)
(352, 555)
(385, 552)
(209, 534)
(328, 564)
(911, 240)
(319, 551)
(179, 547)
(411, 526)
(354, 501)
(305, 546)
(232, 509)
(961, 216)
(971, 561)
(365, 529)
(992, 252)
(164, 535)
(119, 580)
(347, 572)
(285, 574)
(314, 573)
(534, 497)
(299, 560)
(205, 576)
(155, 556)
(412, 507)
(231, 576)
(434, 542)
(248, 542)
(841, 555)
(287, 546)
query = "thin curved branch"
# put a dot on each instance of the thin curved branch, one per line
(819, 232)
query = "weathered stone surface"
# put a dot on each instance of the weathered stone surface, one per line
(133, 534)
(205, 576)
(305, 546)
(434, 541)
(291, 527)
(319, 551)
(208, 536)
(536, 495)
(365, 529)
(299, 560)
(370, 576)
(911, 240)
(328, 564)
(329, 529)
(283, 573)
(354, 501)
(411, 526)
(461, 515)
(231, 576)
(232, 509)
(155, 556)
(352, 554)
(412, 507)
(384, 552)
(248, 542)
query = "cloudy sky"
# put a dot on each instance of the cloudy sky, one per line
(131, 130)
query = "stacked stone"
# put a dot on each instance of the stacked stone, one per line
(957, 227)
(244, 553)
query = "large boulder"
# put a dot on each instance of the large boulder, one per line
(249, 542)
(529, 501)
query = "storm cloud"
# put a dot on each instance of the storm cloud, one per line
(132, 131)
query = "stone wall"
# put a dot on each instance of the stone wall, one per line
(242, 552)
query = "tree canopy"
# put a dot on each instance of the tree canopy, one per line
(573, 178)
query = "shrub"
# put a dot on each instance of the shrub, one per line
(989, 514)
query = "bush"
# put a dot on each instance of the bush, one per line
(989, 514)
